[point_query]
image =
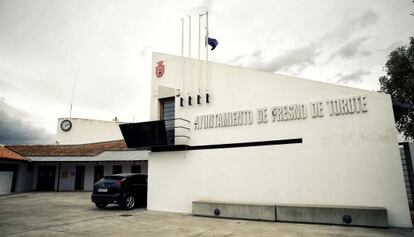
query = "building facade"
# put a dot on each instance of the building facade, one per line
(81, 130)
(226, 134)
(68, 167)
(246, 136)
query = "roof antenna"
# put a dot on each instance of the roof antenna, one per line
(73, 94)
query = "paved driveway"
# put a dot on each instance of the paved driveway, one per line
(72, 214)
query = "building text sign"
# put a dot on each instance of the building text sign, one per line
(317, 109)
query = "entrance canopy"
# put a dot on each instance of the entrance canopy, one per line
(90, 152)
(104, 156)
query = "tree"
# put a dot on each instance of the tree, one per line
(399, 83)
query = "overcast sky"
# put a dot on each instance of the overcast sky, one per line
(44, 44)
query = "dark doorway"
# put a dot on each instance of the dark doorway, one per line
(79, 177)
(116, 169)
(167, 113)
(136, 169)
(46, 178)
(99, 172)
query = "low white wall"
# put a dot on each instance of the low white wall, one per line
(6, 179)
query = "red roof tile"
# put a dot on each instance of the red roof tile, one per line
(89, 149)
(10, 155)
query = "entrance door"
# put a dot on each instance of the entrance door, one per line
(79, 177)
(46, 178)
(99, 172)
(167, 113)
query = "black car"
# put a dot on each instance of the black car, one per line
(127, 190)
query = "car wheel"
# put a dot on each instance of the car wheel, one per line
(129, 202)
(100, 205)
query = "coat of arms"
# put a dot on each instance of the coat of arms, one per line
(159, 69)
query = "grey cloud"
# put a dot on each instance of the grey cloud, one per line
(368, 18)
(345, 30)
(392, 46)
(5, 85)
(355, 77)
(204, 6)
(352, 49)
(14, 130)
(298, 58)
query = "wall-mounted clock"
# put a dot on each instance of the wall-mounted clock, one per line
(66, 125)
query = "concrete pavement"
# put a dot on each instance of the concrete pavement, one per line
(73, 214)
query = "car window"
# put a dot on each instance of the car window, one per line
(113, 177)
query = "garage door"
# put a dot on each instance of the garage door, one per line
(6, 181)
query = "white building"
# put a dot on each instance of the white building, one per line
(267, 138)
(71, 167)
(80, 130)
(86, 150)
(222, 134)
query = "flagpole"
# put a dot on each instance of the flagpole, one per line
(206, 42)
(189, 36)
(182, 37)
(199, 52)
(206, 45)
(199, 35)
(182, 58)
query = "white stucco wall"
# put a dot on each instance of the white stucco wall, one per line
(89, 177)
(411, 146)
(350, 159)
(25, 178)
(67, 183)
(88, 131)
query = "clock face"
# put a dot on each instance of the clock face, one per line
(66, 125)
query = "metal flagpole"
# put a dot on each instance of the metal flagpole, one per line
(189, 84)
(206, 42)
(206, 45)
(182, 59)
(199, 54)
(199, 34)
(182, 37)
(189, 36)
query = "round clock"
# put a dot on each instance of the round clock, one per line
(66, 125)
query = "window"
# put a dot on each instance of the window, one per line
(136, 169)
(140, 179)
(116, 169)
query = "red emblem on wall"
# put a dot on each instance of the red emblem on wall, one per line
(159, 69)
